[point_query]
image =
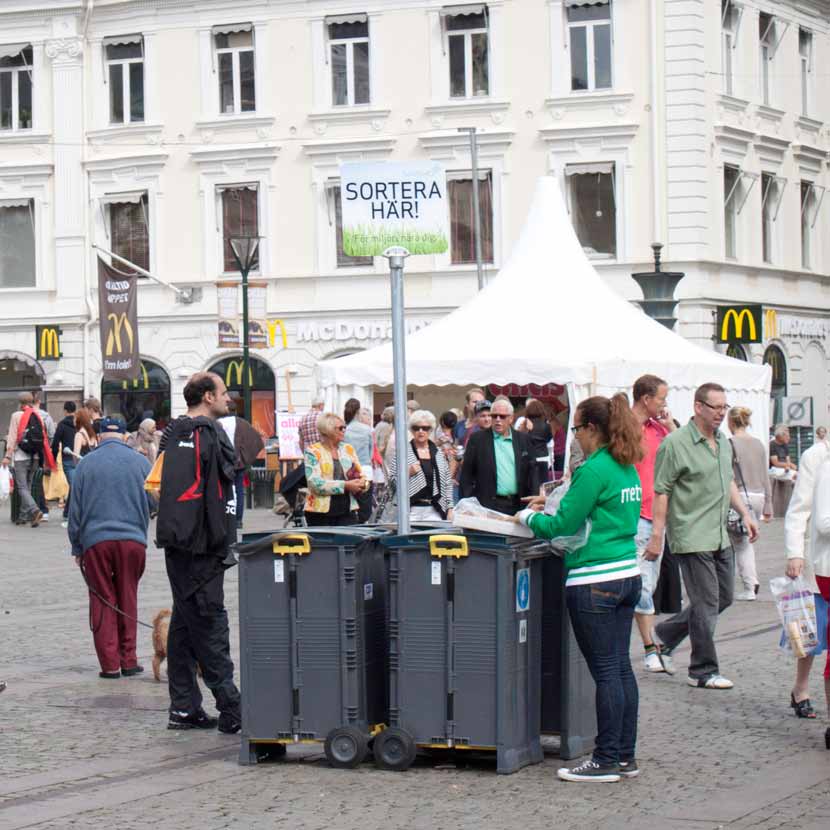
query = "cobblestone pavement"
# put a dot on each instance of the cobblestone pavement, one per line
(79, 752)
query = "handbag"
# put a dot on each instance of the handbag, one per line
(734, 523)
(55, 485)
(152, 484)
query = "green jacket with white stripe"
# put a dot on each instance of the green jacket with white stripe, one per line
(609, 494)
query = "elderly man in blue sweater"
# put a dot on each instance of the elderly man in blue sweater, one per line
(108, 517)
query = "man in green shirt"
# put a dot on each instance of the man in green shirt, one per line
(693, 489)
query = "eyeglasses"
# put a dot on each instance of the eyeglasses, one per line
(420, 429)
(724, 408)
(500, 417)
(575, 429)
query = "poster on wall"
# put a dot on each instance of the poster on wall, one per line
(394, 203)
(118, 323)
(288, 432)
(257, 322)
(227, 293)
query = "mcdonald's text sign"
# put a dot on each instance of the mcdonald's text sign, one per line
(739, 324)
(48, 342)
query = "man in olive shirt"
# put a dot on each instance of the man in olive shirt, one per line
(498, 468)
(693, 489)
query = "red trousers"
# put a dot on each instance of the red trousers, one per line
(113, 570)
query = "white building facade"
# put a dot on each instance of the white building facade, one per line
(156, 128)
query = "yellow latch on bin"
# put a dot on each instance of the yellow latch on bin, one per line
(447, 544)
(292, 543)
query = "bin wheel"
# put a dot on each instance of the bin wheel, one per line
(394, 749)
(346, 747)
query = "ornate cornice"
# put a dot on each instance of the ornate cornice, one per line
(65, 50)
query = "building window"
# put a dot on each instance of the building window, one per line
(774, 358)
(349, 57)
(334, 204)
(589, 38)
(766, 41)
(133, 399)
(593, 205)
(17, 243)
(240, 217)
(736, 351)
(16, 87)
(805, 54)
(468, 51)
(462, 217)
(731, 186)
(129, 229)
(809, 211)
(730, 23)
(768, 204)
(125, 76)
(235, 67)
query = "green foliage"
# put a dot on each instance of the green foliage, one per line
(364, 240)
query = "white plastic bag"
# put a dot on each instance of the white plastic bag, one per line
(797, 610)
(566, 543)
(5, 483)
(472, 515)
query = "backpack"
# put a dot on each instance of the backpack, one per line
(31, 440)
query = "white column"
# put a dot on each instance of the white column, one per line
(498, 47)
(320, 66)
(438, 71)
(560, 71)
(207, 74)
(66, 54)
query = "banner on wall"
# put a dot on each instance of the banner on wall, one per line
(288, 433)
(229, 321)
(262, 332)
(118, 323)
(257, 317)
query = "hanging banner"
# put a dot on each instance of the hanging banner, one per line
(390, 203)
(118, 323)
(288, 433)
(257, 322)
(227, 293)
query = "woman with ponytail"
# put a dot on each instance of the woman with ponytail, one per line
(603, 578)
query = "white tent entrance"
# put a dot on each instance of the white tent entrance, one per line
(549, 317)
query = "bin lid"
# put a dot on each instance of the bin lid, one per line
(477, 540)
(318, 536)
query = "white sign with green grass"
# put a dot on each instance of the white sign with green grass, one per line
(394, 203)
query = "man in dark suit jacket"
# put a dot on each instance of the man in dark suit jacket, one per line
(499, 467)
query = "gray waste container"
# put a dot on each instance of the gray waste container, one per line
(568, 689)
(312, 641)
(464, 624)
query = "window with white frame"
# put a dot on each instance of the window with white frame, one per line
(768, 209)
(334, 208)
(17, 243)
(589, 42)
(16, 86)
(766, 44)
(731, 188)
(592, 199)
(462, 216)
(240, 217)
(730, 24)
(349, 59)
(812, 196)
(125, 77)
(127, 223)
(805, 55)
(234, 47)
(468, 50)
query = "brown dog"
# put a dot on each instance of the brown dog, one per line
(161, 624)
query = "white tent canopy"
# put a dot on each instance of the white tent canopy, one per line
(549, 317)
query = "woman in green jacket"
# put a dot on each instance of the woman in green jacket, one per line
(603, 579)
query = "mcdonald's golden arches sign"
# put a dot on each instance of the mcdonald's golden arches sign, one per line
(118, 323)
(739, 324)
(48, 342)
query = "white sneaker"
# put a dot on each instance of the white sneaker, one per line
(64, 524)
(714, 681)
(590, 771)
(652, 662)
(44, 517)
(746, 596)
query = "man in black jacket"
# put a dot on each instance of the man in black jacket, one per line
(499, 467)
(196, 525)
(63, 446)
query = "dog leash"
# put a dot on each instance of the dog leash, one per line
(106, 602)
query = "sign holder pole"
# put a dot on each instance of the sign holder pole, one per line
(396, 256)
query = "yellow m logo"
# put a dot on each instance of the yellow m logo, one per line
(135, 380)
(738, 318)
(114, 336)
(49, 344)
(236, 365)
(272, 333)
(770, 323)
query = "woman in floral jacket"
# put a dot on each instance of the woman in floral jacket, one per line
(334, 476)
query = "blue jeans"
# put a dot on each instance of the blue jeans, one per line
(69, 472)
(601, 617)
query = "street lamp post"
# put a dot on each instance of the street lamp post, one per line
(245, 251)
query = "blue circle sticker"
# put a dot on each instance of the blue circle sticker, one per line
(523, 589)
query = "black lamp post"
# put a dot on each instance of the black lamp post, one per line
(658, 290)
(245, 251)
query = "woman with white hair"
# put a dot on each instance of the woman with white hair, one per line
(334, 476)
(430, 487)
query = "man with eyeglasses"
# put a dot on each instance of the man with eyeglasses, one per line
(499, 468)
(693, 490)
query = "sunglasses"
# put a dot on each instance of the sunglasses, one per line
(500, 417)
(420, 429)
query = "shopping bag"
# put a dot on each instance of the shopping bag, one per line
(5, 483)
(55, 485)
(797, 610)
(566, 544)
(152, 484)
